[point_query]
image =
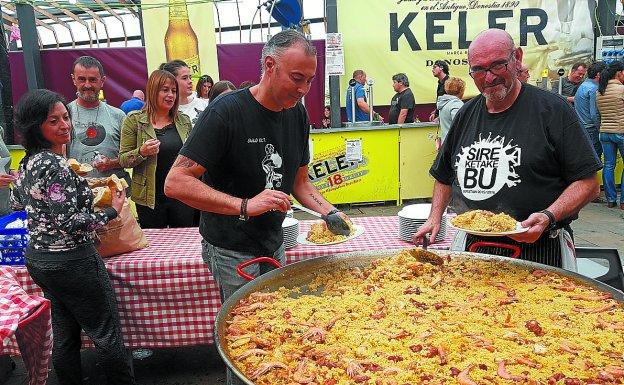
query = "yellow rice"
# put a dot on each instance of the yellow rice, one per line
(476, 311)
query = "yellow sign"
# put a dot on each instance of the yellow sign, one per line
(183, 30)
(373, 178)
(386, 37)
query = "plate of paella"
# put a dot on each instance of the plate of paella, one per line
(319, 234)
(487, 224)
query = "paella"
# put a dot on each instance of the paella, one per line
(418, 318)
(484, 221)
(320, 234)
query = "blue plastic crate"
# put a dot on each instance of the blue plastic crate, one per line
(13, 242)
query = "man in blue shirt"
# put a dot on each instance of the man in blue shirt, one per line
(136, 103)
(361, 106)
(585, 105)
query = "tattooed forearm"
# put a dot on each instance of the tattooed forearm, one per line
(315, 199)
(183, 161)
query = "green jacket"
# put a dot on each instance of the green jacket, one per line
(135, 131)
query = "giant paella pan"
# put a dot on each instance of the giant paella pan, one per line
(414, 317)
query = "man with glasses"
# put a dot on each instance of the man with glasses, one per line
(515, 149)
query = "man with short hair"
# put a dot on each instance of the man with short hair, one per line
(361, 104)
(585, 105)
(133, 104)
(440, 70)
(570, 83)
(247, 153)
(96, 126)
(515, 149)
(402, 104)
(190, 104)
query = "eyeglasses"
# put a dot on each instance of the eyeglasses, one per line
(496, 69)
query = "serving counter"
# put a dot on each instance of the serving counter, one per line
(393, 166)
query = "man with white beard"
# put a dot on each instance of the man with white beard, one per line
(516, 149)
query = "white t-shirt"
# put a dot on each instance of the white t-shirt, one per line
(193, 108)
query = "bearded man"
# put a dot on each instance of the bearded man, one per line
(96, 126)
(515, 149)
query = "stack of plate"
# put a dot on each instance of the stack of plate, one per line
(291, 231)
(414, 216)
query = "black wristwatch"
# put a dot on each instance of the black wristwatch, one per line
(552, 222)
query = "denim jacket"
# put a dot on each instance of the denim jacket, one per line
(135, 131)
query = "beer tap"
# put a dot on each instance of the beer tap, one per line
(370, 83)
(352, 85)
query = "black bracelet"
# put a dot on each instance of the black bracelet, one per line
(552, 222)
(243, 210)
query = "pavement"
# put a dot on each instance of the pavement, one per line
(597, 226)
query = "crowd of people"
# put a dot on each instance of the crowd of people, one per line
(596, 91)
(238, 155)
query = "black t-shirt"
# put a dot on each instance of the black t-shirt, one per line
(170, 144)
(400, 101)
(518, 161)
(440, 91)
(246, 148)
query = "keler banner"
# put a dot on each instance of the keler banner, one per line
(385, 37)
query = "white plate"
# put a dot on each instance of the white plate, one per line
(288, 221)
(416, 211)
(519, 229)
(359, 230)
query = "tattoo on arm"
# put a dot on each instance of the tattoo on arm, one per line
(183, 161)
(316, 200)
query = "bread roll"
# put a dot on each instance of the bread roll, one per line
(114, 183)
(102, 197)
(73, 164)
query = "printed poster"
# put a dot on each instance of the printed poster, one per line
(387, 37)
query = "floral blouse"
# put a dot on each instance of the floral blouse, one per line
(58, 204)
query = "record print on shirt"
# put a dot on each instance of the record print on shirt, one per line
(93, 135)
(486, 166)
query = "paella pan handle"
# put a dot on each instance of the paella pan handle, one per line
(249, 277)
(515, 249)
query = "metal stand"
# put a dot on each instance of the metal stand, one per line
(370, 83)
(352, 85)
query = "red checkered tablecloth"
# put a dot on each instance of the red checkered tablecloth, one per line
(380, 233)
(25, 327)
(166, 296)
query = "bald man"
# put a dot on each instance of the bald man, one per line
(515, 149)
(135, 103)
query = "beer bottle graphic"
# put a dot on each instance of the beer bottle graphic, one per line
(180, 39)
